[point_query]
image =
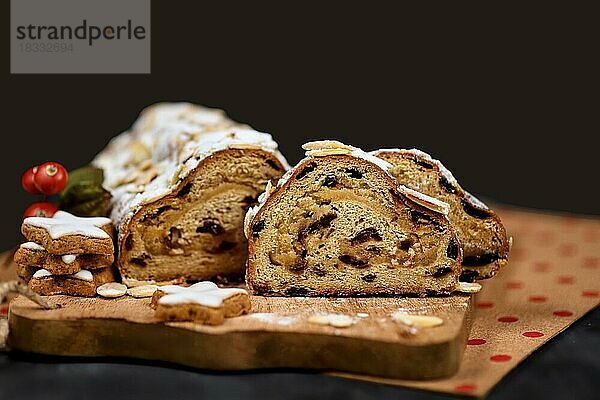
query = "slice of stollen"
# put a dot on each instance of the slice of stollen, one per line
(182, 179)
(337, 224)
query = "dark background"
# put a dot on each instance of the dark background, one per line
(507, 97)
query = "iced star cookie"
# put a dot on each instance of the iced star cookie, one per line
(33, 255)
(203, 302)
(65, 233)
(82, 283)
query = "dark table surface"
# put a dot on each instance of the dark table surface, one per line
(566, 367)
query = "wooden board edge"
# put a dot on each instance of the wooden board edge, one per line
(235, 351)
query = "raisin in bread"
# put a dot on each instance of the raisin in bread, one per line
(182, 179)
(338, 224)
(481, 233)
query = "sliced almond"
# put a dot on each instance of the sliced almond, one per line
(139, 152)
(146, 177)
(340, 320)
(468, 287)
(145, 165)
(335, 320)
(325, 144)
(142, 291)
(111, 290)
(417, 321)
(244, 146)
(130, 282)
(318, 319)
(327, 152)
(425, 200)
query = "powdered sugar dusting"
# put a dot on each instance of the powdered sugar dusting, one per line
(313, 149)
(475, 202)
(443, 170)
(469, 198)
(163, 146)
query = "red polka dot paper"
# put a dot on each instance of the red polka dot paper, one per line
(553, 278)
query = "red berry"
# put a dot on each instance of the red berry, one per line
(27, 181)
(50, 178)
(41, 209)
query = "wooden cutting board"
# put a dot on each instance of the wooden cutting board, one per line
(276, 334)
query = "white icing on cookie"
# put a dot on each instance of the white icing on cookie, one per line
(69, 258)
(41, 273)
(32, 246)
(200, 286)
(203, 293)
(63, 223)
(83, 275)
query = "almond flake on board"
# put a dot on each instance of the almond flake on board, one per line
(142, 291)
(417, 321)
(468, 287)
(111, 290)
(335, 320)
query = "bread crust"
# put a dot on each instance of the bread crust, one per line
(275, 195)
(233, 270)
(166, 154)
(477, 263)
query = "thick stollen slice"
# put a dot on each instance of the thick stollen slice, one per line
(182, 179)
(338, 224)
(83, 283)
(66, 233)
(203, 302)
(480, 231)
(34, 255)
(196, 232)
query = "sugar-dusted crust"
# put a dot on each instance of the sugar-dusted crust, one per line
(63, 284)
(338, 224)
(57, 265)
(184, 176)
(481, 233)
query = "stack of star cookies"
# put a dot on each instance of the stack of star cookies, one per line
(66, 254)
